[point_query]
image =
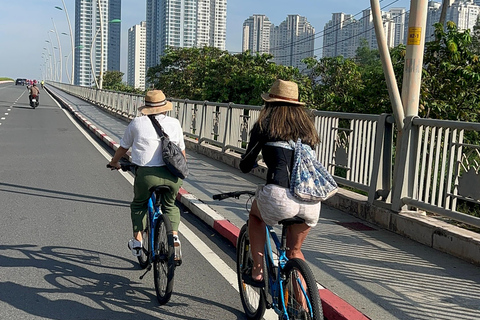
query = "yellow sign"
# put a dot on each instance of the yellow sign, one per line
(414, 36)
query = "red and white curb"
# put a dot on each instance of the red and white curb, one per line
(334, 308)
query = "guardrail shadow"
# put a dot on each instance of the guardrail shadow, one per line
(407, 280)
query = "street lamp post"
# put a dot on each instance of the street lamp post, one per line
(71, 39)
(50, 60)
(59, 49)
(54, 58)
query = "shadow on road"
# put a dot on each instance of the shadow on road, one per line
(79, 284)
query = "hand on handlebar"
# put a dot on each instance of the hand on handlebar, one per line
(114, 165)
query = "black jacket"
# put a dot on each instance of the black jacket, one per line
(279, 160)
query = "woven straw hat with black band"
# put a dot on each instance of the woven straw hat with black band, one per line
(155, 103)
(283, 91)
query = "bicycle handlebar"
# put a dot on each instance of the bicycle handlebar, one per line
(234, 194)
(124, 166)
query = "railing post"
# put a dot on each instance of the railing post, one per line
(381, 179)
(228, 127)
(405, 162)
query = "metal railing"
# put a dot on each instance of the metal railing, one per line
(435, 167)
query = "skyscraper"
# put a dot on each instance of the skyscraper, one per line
(184, 24)
(256, 34)
(292, 41)
(136, 55)
(88, 51)
(114, 35)
(343, 34)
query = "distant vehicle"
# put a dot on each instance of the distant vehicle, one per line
(20, 82)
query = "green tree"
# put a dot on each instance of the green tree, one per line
(451, 85)
(211, 74)
(112, 79)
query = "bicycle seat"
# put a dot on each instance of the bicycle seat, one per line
(161, 189)
(290, 221)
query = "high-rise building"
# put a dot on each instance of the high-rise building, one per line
(88, 51)
(136, 55)
(339, 36)
(292, 41)
(344, 34)
(433, 16)
(464, 13)
(114, 35)
(184, 24)
(84, 15)
(256, 34)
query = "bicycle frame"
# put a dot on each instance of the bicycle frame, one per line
(275, 282)
(153, 214)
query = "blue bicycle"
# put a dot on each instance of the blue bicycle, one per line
(162, 257)
(290, 290)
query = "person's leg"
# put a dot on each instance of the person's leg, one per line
(139, 205)
(169, 207)
(256, 233)
(296, 234)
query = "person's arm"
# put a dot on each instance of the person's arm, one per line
(118, 155)
(249, 159)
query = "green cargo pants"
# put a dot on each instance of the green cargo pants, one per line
(145, 178)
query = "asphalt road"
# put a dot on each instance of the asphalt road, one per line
(65, 226)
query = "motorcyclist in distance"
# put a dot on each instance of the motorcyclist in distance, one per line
(34, 92)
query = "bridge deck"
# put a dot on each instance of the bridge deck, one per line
(381, 274)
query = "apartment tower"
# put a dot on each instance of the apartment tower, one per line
(89, 26)
(292, 41)
(184, 24)
(256, 34)
(136, 55)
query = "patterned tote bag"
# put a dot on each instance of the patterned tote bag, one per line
(310, 180)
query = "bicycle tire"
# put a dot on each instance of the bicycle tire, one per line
(163, 264)
(253, 299)
(295, 309)
(144, 258)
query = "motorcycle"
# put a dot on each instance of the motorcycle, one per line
(34, 102)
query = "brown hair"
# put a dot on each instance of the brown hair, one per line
(286, 122)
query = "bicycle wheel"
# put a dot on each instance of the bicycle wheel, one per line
(300, 287)
(253, 299)
(143, 259)
(163, 264)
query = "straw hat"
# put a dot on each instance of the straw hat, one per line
(283, 91)
(155, 102)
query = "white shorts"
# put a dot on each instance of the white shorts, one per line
(277, 203)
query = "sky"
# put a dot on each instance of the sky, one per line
(25, 26)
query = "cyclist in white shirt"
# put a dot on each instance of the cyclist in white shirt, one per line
(145, 143)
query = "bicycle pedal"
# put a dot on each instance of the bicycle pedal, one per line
(148, 269)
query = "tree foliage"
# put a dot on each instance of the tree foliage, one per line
(112, 80)
(211, 74)
(451, 84)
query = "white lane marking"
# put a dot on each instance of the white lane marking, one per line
(2, 118)
(228, 273)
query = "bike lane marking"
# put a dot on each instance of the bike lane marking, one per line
(9, 109)
(210, 256)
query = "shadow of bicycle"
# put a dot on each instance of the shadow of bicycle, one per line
(74, 283)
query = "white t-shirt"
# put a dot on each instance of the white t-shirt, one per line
(142, 137)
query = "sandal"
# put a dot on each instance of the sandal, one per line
(247, 278)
